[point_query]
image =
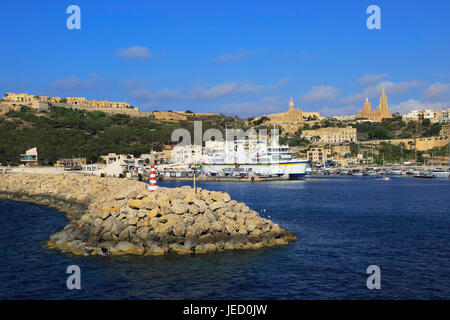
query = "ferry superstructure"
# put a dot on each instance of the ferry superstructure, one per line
(252, 156)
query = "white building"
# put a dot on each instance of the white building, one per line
(30, 157)
(420, 114)
(442, 116)
(189, 154)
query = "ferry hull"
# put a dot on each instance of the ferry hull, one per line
(297, 176)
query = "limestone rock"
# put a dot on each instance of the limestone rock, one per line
(119, 216)
(217, 205)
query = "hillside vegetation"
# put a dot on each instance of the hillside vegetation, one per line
(64, 133)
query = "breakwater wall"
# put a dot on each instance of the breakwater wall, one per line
(120, 216)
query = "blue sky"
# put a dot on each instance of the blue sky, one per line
(243, 58)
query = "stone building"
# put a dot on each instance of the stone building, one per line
(33, 101)
(375, 115)
(293, 115)
(445, 130)
(331, 135)
(420, 144)
(318, 155)
(168, 115)
(293, 119)
(341, 150)
(71, 163)
(442, 116)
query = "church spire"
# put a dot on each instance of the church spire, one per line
(383, 107)
(291, 105)
(367, 107)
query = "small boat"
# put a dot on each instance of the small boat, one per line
(424, 175)
(440, 173)
(356, 172)
(395, 172)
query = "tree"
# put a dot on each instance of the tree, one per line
(426, 122)
(381, 133)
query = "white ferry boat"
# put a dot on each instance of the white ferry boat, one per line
(252, 157)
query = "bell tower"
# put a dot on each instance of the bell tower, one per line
(367, 106)
(383, 108)
(291, 106)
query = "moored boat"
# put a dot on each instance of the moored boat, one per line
(440, 173)
(424, 175)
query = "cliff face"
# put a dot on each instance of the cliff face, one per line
(119, 216)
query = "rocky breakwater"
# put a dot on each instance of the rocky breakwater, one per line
(119, 216)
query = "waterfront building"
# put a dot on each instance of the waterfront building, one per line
(189, 154)
(30, 157)
(89, 167)
(331, 135)
(318, 155)
(71, 163)
(376, 115)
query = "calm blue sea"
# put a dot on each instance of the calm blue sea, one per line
(344, 224)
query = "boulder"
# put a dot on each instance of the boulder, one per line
(217, 205)
(179, 206)
(135, 204)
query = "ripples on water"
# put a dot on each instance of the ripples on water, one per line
(343, 225)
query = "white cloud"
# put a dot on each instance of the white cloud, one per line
(197, 93)
(75, 83)
(320, 93)
(411, 104)
(368, 78)
(256, 108)
(436, 90)
(406, 106)
(222, 90)
(281, 83)
(375, 90)
(135, 52)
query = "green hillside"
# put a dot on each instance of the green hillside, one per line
(64, 133)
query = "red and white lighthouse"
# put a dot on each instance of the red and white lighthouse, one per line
(152, 185)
